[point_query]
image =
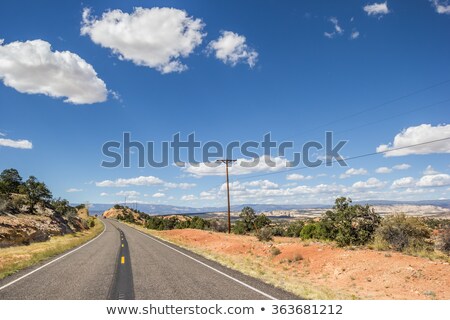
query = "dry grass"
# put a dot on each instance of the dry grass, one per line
(14, 259)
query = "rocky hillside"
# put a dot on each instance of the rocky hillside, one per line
(29, 213)
(23, 229)
(124, 213)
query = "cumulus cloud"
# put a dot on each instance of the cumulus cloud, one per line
(74, 190)
(240, 167)
(403, 166)
(376, 9)
(429, 170)
(188, 197)
(383, 170)
(103, 194)
(337, 28)
(32, 67)
(434, 180)
(158, 195)
(138, 181)
(353, 172)
(182, 185)
(17, 144)
(263, 184)
(231, 48)
(416, 135)
(441, 7)
(403, 183)
(151, 37)
(370, 183)
(298, 177)
(129, 194)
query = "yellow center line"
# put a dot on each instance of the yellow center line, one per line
(122, 260)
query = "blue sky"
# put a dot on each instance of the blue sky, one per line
(236, 72)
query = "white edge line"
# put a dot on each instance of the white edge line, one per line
(208, 266)
(54, 260)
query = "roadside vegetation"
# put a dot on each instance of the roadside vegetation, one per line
(29, 212)
(16, 258)
(346, 225)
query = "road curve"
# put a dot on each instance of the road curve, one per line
(123, 263)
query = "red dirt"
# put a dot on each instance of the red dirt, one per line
(362, 273)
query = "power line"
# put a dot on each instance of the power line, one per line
(394, 116)
(347, 159)
(378, 106)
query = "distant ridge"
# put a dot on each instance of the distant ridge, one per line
(168, 209)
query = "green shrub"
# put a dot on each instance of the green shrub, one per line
(264, 234)
(261, 221)
(218, 225)
(350, 224)
(294, 229)
(313, 230)
(444, 240)
(239, 227)
(199, 223)
(248, 217)
(275, 251)
(403, 233)
(279, 231)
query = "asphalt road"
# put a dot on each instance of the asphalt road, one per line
(123, 263)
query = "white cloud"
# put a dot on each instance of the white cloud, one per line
(158, 195)
(138, 181)
(354, 35)
(32, 67)
(240, 167)
(74, 190)
(263, 184)
(383, 170)
(376, 9)
(182, 185)
(337, 28)
(403, 183)
(17, 144)
(371, 183)
(442, 7)
(353, 172)
(129, 194)
(434, 180)
(430, 170)
(2, 134)
(298, 177)
(231, 48)
(152, 37)
(206, 195)
(188, 197)
(103, 194)
(415, 135)
(403, 166)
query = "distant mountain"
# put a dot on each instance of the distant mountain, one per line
(168, 209)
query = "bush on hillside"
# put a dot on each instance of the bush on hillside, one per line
(313, 230)
(264, 234)
(349, 224)
(294, 229)
(403, 233)
(444, 240)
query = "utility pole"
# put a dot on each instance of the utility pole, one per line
(227, 162)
